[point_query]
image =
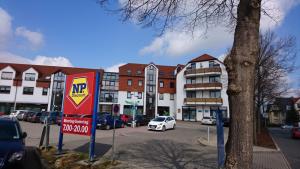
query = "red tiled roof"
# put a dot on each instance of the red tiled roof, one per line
(204, 57)
(164, 71)
(43, 70)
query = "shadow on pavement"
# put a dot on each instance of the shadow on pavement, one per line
(167, 154)
(100, 149)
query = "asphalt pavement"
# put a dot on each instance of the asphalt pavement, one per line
(288, 146)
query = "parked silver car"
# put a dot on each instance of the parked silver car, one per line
(208, 120)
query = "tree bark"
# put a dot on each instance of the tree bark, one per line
(240, 65)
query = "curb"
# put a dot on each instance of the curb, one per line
(276, 145)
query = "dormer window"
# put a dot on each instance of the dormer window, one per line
(213, 64)
(30, 76)
(7, 75)
(128, 72)
(138, 72)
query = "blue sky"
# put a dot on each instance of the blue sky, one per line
(81, 33)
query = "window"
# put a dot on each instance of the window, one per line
(150, 78)
(161, 73)
(191, 80)
(172, 85)
(7, 75)
(111, 83)
(28, 90)
(4, 89)
(128, 95)
(161, 84)
(214, 79)
(215, 94)
(128, 72)
(140, 83)
(150, 88)
(45, 91)
(192, 66)
(139, 95)
(138, 72)
(129, 82)
(161, 96)
(288, 107)
(213, 64)
(30, 76)
(191, 94)
(171, 96)
(298, 105)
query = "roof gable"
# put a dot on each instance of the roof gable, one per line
(204, 57)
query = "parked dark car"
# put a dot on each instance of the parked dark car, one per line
(226, 122)
(27, 116)
(106, 121)
(140, 120)
(295, 132)
(50, 116)
(12, 143)
(35, 118)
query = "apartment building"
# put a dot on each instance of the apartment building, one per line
(33, 87)
(201, 87)
(188, 92)
(109, 91)
(151, 87)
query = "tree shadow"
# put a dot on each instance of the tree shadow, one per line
(100, 149)
(168, 154)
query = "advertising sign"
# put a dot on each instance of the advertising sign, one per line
(80, 90)
(79, 104)
(81, 126)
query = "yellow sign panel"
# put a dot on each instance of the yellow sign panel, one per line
(79, 90)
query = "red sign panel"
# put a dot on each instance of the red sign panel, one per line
(79, 102)
(81, 126)
(79, 97)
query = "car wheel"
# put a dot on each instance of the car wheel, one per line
(123, 125)
(163, 128)
(174, 126)
(137, 124)
(107, 127)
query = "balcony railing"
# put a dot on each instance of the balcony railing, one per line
(203, 71)
(203, 101)
(203, 86)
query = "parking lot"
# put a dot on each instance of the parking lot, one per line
(178, 147)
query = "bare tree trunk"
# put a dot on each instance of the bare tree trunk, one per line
(241, 70)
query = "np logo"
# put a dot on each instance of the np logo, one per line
(79, 90)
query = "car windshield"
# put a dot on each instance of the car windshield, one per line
(160, 119)
(9, 131)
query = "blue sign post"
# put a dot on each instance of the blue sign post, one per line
(220, 139)
(93, 134)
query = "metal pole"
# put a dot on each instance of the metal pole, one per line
(113, 144)
(47, 134)
(61, 135)
(208, 140)
(220, 139)
(15, 103)
(92, 140)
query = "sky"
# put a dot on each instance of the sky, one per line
(80, 33)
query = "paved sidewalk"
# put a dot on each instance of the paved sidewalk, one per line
(263, 158)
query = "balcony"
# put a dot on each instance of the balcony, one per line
(203, 71)
(203, 86)
(203, 101)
